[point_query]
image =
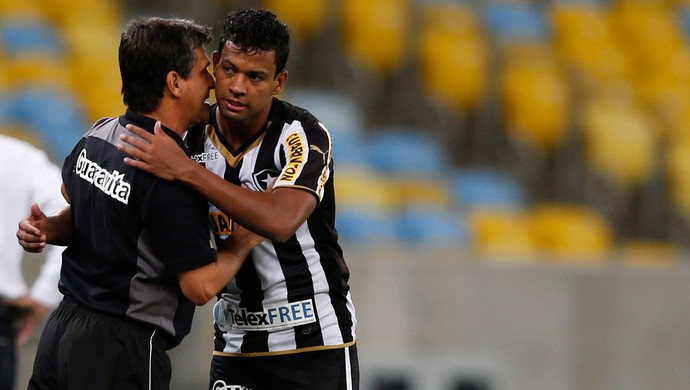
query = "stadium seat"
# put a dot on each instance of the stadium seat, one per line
(535, 96)
(615, 129)
(364, 208)
(585, 42)
(430, 226)
(55, 114)
(501, 233)
(29, 36)
(375, 32)
(570, 232)
(453, 54)
(364, 228)
(305, 17)
(511, 23)
(482, 187)
(406, 152)
(36, 70)
(419, 191)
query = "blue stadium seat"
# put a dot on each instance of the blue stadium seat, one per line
(406, 152)
(487, 187)
(362, 226)
(29, 35)
(55, 114)
(431, 226)
(510, 22)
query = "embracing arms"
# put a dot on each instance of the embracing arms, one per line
(275, 214)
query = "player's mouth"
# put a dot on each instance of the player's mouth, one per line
(234, 105)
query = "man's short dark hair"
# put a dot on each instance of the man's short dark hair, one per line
(257, 30)
(150, 48)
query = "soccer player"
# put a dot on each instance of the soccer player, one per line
(287, 320)
(139, 254)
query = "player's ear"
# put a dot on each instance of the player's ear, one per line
(280, 81)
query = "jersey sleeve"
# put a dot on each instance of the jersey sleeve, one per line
(307, 154)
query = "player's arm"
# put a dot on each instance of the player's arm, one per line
(275, 214)
(202, 284)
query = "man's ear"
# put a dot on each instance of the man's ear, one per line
(173, 83)
(280, 82)
(215, 57)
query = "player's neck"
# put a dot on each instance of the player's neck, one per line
(238, 133)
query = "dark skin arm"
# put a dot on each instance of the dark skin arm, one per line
(202, 284)
(275, 214)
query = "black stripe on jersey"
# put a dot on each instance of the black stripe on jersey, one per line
(298, 281)
(247, 281)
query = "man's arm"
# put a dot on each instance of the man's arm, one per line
(275, 214)
(201, 284)
(37, 230)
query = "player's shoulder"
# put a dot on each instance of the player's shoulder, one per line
(290, 113)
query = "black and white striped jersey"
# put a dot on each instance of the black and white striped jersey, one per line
(288, 297)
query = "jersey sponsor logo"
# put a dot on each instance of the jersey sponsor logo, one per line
(285, 316)
(296, 154)
(206, 157)
(220, 223)
(263, 178)
(221, 385)
(111, 183)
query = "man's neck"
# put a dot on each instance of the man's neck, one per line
(237, 133)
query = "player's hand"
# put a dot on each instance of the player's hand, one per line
(242, 237)
(31, 233)
(157, 153)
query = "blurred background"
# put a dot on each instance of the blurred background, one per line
(513, 177)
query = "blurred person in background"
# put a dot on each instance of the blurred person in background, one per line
(28, 176)
(139, 255)
(287, 320)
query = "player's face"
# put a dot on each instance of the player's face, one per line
(245, 85)
(198, 87)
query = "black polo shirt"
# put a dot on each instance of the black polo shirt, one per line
(132, 232)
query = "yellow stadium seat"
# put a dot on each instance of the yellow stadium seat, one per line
(453, 54)
(36, 69)
(363, 189)
(585, 42)
(570, 232)
(613, 131)
(305, 17)
(501, 234)
(413, 192)
(536, 97)
(375, 32)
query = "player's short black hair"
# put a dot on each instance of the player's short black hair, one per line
(257, 30)
(150, 48)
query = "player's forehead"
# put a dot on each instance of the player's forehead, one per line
(233, 53)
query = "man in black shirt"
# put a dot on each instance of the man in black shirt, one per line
(139, 252)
